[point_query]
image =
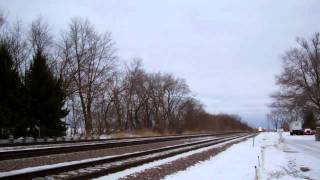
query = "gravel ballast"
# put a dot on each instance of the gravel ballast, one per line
(159, 172)
(8, 165)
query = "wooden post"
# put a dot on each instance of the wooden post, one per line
(253, 141)
(262, 157)
(256, 173)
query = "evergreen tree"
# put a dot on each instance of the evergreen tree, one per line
(12, 107)
(47, 98)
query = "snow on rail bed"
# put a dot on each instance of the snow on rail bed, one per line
(51, 166)
(130, 171)
(295, 157)
(78, 144)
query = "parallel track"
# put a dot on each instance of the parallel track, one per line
(94, 140)
(34, 152)
(107, 165)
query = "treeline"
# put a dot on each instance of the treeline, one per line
(31, 101)
(298, 98)
(78, 83)
(218, 122)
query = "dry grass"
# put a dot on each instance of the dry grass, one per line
(138, 133)
(148, 132)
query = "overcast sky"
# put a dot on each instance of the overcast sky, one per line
(228, 51)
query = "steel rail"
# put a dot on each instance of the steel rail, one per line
(172, 150)
(96, 140)
(34, 152)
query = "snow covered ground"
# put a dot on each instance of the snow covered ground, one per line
(274, 159)
(121, 174)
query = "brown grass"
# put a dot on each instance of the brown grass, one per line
(137, 133)
(148, 132)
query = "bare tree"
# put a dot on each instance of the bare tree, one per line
(19, 47)
(88, 63)
(300, 79)
(13, 34)
(40, 37)
(176, 90)
(2, 18)
(276, 118)
(135, 93)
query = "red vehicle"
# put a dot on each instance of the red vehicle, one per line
(308, 132)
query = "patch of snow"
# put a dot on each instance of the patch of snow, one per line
(274, 159)
(104, 136)
(159, 162)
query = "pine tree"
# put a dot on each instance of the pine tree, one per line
(47, 98)
(12, 107)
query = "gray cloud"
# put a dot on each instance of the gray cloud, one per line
(228, 51)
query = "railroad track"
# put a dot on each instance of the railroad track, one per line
(51, 142)
(28, 152)
(101, 166)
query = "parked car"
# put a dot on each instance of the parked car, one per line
(308, 132)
